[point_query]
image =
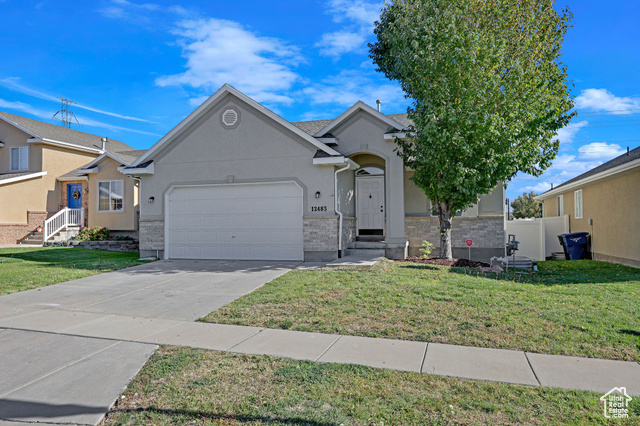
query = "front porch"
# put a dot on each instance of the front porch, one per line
(371, 199)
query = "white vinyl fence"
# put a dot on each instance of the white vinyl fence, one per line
(538, 237)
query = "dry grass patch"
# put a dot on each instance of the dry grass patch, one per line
(191, 386)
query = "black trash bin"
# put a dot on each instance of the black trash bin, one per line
(575, 245)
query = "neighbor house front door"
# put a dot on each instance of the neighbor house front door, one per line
(370, 210)
(74, 195)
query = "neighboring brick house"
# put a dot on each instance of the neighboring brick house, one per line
(234, 180)
(604, 202)
(41, 172)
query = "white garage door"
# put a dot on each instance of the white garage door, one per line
(242, 222)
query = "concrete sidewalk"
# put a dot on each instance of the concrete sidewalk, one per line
(432, 358)
(47, 376)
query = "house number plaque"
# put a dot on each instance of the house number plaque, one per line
(319, 208)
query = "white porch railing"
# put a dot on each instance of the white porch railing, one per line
(61, 220)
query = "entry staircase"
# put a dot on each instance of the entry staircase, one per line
(59, 227)
(366, 246)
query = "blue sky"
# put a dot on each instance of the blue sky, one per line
(136, 69)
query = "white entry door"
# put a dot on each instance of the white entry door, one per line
(239, 222)
(370, 207)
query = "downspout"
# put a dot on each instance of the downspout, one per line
(335, 203)
(139, 180)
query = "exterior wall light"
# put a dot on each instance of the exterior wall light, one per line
(151, 200)
(317, 194)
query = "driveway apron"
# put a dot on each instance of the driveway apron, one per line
(68, 378)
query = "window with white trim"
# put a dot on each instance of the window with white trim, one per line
(560, 205)
(577, 196)
(20, 158)
(110, 196)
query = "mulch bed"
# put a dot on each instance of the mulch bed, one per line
(459, 263)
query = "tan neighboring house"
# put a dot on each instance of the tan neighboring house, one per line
(605, 202)
(45, 169)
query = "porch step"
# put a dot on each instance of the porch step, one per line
(34, 239)
(369, 245)
(369, 253)
(375, 238)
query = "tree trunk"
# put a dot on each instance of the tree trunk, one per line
(445, 217)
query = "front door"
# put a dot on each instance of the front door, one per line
(370, 208)
(74, 195)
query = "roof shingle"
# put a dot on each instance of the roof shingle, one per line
(63, 134)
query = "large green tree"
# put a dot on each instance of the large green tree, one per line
(525, 206)
(488, 93)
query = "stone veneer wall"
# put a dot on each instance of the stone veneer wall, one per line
(151, 234)
(485, 231)
(348, 231)
(127, 246)
(85, 197)
(320, 233)
(13, 233)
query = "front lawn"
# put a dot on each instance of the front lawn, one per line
(24, 268)
(192, 386)
(581, 308)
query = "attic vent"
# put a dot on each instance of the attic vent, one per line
(230, 118)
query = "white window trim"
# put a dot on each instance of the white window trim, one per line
(560, 201)
(19, 148)
(98, 196)
(578, 206)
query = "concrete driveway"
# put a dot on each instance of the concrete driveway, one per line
(51, 373)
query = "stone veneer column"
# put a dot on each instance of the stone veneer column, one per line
(151, 235)
(320, 238)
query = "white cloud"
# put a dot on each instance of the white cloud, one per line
(566, 134)
(538, 188)
(219, 51)
(12, 83)
(600, 151)
(350, 86)
(360, 16)
(113, 12)
(361, 12)
(150, 15)
(603, 100)
(21, 106)
(340, 42)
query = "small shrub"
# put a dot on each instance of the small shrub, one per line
(123, 238)
(97, 233)
(426, 249)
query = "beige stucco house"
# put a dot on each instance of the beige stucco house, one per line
(605, 202)
(46, 168)
(234, 180)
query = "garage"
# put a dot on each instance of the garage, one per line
(236, 221)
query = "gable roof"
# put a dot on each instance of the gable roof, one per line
(390, 120)
(209, 104)
(123, 157)
(61, 135)
(623, 162)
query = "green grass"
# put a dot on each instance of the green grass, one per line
(191, 386)
(26, 268)
(581, 308)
